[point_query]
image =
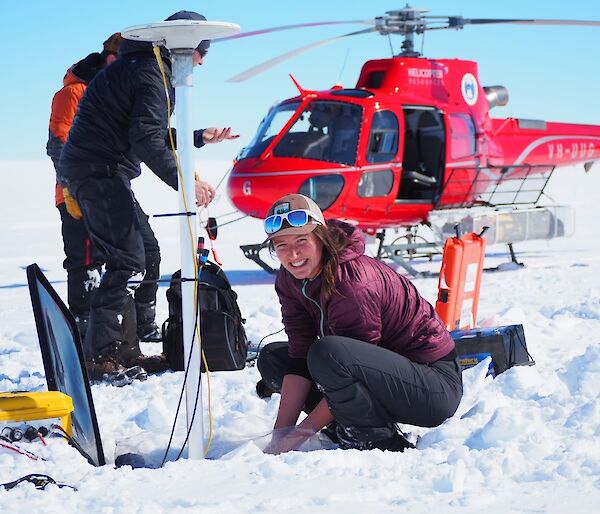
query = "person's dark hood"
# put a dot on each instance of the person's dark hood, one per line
(130, 46)
(88, 67)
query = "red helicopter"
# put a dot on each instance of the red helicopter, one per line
(414, 136)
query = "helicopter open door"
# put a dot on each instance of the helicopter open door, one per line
(423, 158)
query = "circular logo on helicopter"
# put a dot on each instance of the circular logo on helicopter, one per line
(469, 89)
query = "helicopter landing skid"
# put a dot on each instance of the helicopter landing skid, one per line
(252, 252)
(403, 253)
(396, 252)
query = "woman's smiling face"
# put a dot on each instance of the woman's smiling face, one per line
(301, 255)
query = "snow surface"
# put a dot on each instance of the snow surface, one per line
(527, 441)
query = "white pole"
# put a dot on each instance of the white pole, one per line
(182, 80)
(181, 37)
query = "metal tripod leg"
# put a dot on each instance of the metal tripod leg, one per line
(252, 252)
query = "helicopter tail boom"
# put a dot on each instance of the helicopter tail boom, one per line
(520, 141)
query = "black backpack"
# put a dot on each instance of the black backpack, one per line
(224, 339)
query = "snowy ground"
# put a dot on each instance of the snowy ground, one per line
(526, 441)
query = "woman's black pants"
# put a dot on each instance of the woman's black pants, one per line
(369, 386)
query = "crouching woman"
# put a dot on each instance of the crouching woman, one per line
(365, 351)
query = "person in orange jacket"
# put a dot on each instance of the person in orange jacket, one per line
(82, 262)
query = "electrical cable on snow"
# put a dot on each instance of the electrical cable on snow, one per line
(9, 445)
(61, 432)
(39, 480)
(252, 359)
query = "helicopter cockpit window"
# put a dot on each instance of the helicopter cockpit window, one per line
(325, 131)
(383, 141)
(269, 127)
(463, 136)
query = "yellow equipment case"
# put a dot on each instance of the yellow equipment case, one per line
(40, 405)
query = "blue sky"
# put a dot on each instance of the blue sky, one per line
(551, 73)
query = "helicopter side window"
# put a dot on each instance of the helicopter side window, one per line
(323, 189)
(325, 131)
(375, 183)
(383, 141)
(462, 131)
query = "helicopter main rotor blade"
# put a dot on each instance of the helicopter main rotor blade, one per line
(458, 22)
(255, 70)
(294, 26)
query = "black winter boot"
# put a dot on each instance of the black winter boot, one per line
(130, 347)
(106, 362)
(107, 367)
(147, 329)
(150, 333)
(388, 438)
(152, 363)
(331, 432)
(263, 390)
(129, 355)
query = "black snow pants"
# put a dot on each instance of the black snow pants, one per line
(369, 386)
(84, 261)
(119, 228)
(83, 264)
(145, 294)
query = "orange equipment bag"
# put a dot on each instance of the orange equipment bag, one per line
(460, 280)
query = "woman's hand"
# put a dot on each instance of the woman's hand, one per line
(216, 135)
(205, 193)
(287, 439)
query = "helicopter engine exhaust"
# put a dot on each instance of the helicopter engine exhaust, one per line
(496, 95)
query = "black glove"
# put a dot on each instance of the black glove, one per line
(263, 390)
(198, 142)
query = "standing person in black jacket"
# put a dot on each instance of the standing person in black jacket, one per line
(122, 121)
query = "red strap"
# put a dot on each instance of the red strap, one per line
(15, 448)
(216, 257)
(88, 256)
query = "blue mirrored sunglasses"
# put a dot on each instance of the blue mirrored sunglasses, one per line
(296, 218)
